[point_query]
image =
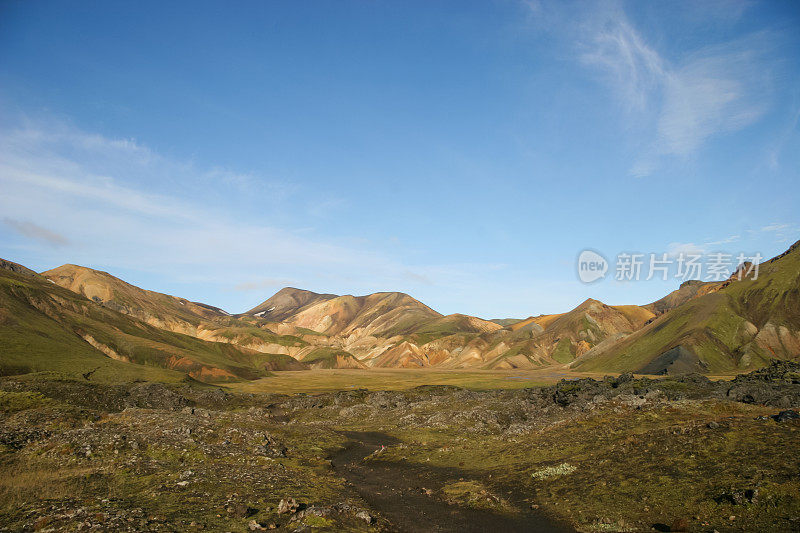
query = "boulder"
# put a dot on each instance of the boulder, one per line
(288, 506)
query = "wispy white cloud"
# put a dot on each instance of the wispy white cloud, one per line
(775, 226)
(726, 240)
(106, 195)
(780, 232)
(138, 228)
(678, 102)
(715, 91)
(675, 249)
(623, 57)
(788, 132)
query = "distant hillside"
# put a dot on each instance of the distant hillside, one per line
(375, 314)
(739, 325)
(73, 314)
(45, 327)
(174, 314)
(386, 329)
(331, 358)
(549, 339)
(160, 310)
(687, 291)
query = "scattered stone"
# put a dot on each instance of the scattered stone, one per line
(783, 416)
(737, 497)
(624, 378)
(288, 505)
(154, 396)
(155, 421)
(270, 451)
(239, 510)
(554, 471)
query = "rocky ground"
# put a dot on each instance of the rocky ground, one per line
(619, 454)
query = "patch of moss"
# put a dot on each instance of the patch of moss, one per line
(474, 494)
(563, 352)
(318, 521)
(11, 402)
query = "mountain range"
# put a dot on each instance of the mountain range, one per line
(77, 320)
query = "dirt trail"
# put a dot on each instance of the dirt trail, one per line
(397, 491)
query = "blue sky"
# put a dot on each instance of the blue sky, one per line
(463, 152)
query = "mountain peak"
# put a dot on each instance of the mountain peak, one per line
(294, 290)
(286, 302)
(589, 302)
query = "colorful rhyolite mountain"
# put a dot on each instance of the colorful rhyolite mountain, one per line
(76, 319)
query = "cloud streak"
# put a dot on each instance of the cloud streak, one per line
(624, 59)
(35, 232)
(682, 102)
(89, 187)
(716, 91)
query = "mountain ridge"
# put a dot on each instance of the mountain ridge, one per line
(738, 324)
(701, 326)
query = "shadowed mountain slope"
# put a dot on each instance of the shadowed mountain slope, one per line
(45, 327)
(742, 324)
(563, 337)
(687, 291)
(16, 267)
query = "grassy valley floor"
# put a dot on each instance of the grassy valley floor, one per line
(614, 454)
(331, 380)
